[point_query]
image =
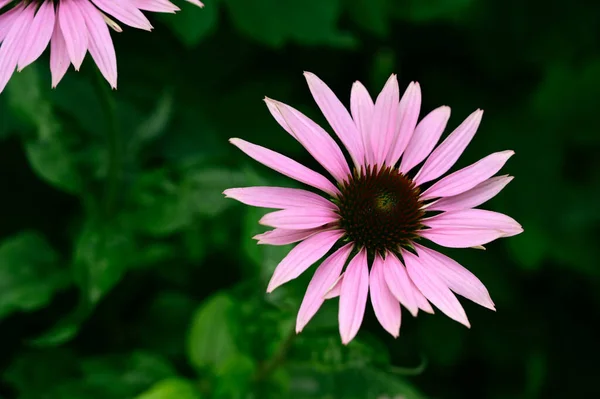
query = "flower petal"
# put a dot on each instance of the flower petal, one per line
(286, 166)
(466, 178)
(38, 35)
(12, 46)
(196, 3)
(278, 198)
(316, 140)
(7, 20)
(434, 288)
(285, 237)
(386, 307)
(408, 116)
(335, 289)
(3, 3)
(384, 121)
(125, 12)
(324, 278)
(473, 197)
(400, 284)
(426, 135)
(447, 153)
(59, 57)
(303, 256)
(156, 6)
(72, 25)
(299, 218)
(362, 108)
(456, 277)
(353, 296)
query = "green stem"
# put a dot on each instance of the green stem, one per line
(271, 365)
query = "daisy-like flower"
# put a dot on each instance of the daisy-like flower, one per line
(72, 27)
(377, 212)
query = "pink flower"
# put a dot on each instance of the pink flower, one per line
(378, 210)
(72, 27)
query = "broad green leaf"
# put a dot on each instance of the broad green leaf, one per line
(172, 388)
(191, 24)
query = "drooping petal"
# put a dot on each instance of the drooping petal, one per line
(74, 30)
(303, 256)
(384, 121)
(278, 198)
(472, 198)
(385, 305)
(299, 218)
(285, 237)
(7, 20)
(456, 277)
(286, 166)
(335, 289)
(434, 289)
(353, 296)
(426, 135)
(400, 284)
(196, 3)
(59, 57)
(125, 12)
(3, 3)
(156, 6)
(362, 107)
(37, 35)
(324, 278)
(316, 140)
(12, 46)
(468, 177)
(336, 114)
(408, 115)
(447, 153)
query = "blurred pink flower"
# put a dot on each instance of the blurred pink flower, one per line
(378, 209)
(72, 27)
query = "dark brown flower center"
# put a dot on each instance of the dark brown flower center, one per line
(380, 210)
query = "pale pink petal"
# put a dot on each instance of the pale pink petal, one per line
(466, 178)
(7, 20)
(353, 296)
(72, 25)
(362, 108)
(156, 5)
(472, 198)
(299, 218)
(426, 135)
(3, 3)
(278, 198)
(386, 307)
(335, 289)
(399, 284)
(446, 154)
(316, 140)
(59, 58)
(285, 237)
(196, 3)
(434, 288)
(336, 114)
(101, 46)
(384, 121)
(408, 116)
(456, 277)
(11, 47)
(324, 278)
(286, 166)
(461, 238)
(124, 11)
(303, 256)
(38, 35)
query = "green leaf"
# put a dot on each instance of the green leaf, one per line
(192, 23)
(30, 273)
(172, 388)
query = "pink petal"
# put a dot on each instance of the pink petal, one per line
(286, 166)
(408, 115)
(336, 114)
(285, 237)
(384, 121)
(324, 278)
(399, 284)
(59, 57)
(100, 44)
(362, 108)
(386, 307)
(8, 19)
(156, 5)
(427, 134)
(335, 289)
(3, 3)
(196, 3)
(11, 47)
(353, 296)
(316, 140)
(446, 154)
(434, 288)
(125, 12)
(472, 198)
(303, 256)
(468, 177)
(72, 25)
(38, 35)
(455, 276)
(299, 218)
(278, 198)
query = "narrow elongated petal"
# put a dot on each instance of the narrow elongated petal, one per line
(408, 115)
(447, 153)
(335, 289)
(11, 47)
(7, 20)
(278, 198)
(362, 108)
(125, 12)
(456, 277)
(426, 135)
(299, 218)
(285, 237)
(400, 284)
(316, 140)
(353, 296)
(286, 166)
(434, 289)
(37, 35)
(324, 278)
(59, 57)
(156, 6)
(74, 30)
(472, 198)
(196, 3)
(303, 256)
(468, 177)
(3, 3)
(385, 118)
(385, 305)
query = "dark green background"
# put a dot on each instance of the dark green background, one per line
(124, 271)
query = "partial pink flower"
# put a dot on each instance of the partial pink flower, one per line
(72, 27)
(369, 221)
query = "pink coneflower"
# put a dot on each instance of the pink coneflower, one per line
(376, 213)
(72, 27)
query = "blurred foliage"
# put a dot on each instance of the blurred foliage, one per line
(124, 273)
